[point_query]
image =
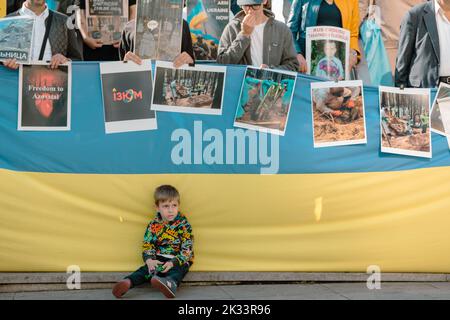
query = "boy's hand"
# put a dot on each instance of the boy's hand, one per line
(167, 266)
(151, 264)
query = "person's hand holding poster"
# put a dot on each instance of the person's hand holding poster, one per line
(327, 52)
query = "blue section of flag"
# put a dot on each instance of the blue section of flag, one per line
(87, 149)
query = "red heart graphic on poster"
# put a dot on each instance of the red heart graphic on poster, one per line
(44, 106)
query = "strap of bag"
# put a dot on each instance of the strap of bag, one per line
(48, 24)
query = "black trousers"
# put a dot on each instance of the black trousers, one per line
(141, 275)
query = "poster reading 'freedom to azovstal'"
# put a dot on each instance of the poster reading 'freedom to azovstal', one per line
(207, 19)
(158, 29)
(44, 97)
(327, 52)
(105, 19)
(127, 96)
(16, 35)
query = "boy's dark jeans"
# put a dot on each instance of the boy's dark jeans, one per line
(141, 275)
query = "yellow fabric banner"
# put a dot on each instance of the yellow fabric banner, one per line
(300, 222)
(2, 8)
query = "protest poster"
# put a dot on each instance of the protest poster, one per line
(265, 100)
(405, 121)
(207, 19)
(158, 31)
(16, 36)
(198, 89)
(327, 52)
(437, 124)
(105, 19)
(44, 97)
(338, 113)
(127, 95)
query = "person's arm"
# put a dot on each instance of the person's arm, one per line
(294, 23)
(289, 57)
(132, 12)
(406, 47)
(187, 247)
(148, 246)
(89, 41)
(232, 46)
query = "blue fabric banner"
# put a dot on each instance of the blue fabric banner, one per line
(87, 149)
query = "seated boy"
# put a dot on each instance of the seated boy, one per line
(167, 250)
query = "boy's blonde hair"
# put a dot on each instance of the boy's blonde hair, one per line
(166, 192)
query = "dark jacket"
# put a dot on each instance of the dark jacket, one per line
(278, 45)
(62, 40)
(418, 50)
(127, 42)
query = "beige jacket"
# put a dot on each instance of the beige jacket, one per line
(391, 13)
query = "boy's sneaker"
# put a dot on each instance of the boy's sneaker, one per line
(121, 287)
(166, 286)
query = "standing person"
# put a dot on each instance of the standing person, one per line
(255, 38)
(388, 15)
(53, 41)
(312, 13)
(93, 49)
(422, 58)
(167, 250)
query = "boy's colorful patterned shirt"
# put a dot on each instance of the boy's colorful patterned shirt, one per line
(170, 238)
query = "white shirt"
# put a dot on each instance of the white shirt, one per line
(443, 26)
(256, 45)
(277, 9)
(39, 32)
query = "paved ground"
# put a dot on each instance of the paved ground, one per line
(323, 291)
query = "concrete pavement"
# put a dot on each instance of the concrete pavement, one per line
(301, 291)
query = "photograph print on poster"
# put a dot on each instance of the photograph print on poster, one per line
(327, 52)
(16, 35)
(444, 106)
(338, 113)
(158, 29)
(105, 19)
(127, 96)
(437, 124)
(187, 89)
(44, 97)
(265, 100)
(404, 121)
(207, 19)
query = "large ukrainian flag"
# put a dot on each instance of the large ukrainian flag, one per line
(83, 197)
